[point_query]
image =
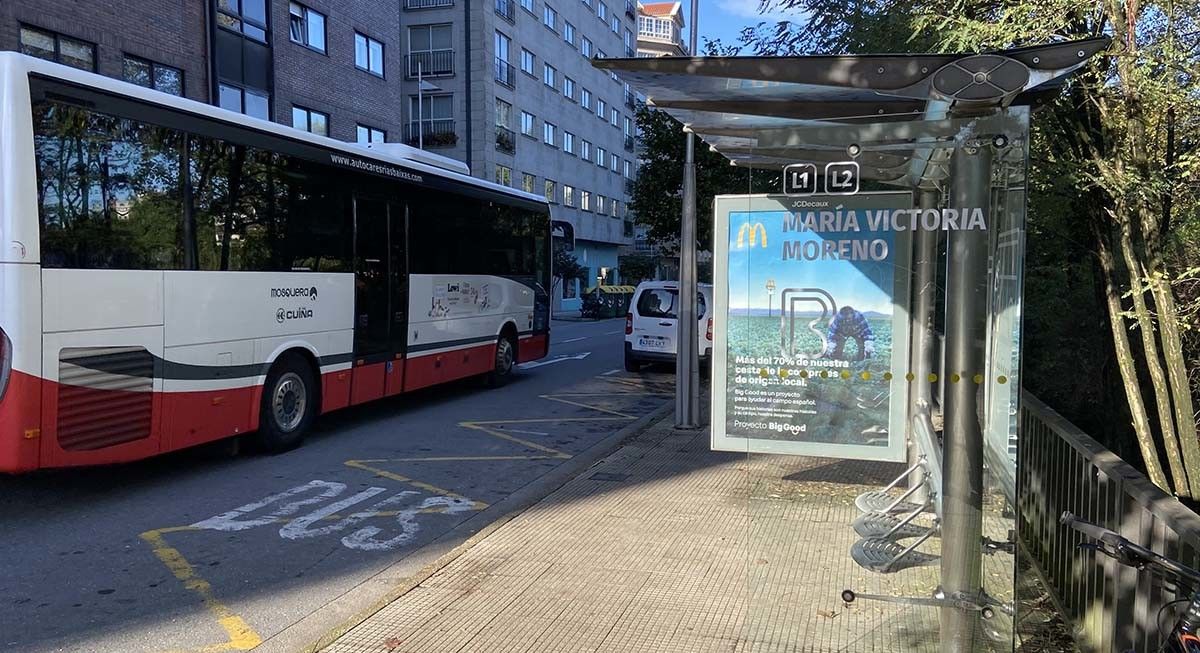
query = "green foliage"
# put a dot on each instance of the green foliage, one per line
(657, 197)
(636, 268)
(566, 267)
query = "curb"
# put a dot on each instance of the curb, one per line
(476, 528)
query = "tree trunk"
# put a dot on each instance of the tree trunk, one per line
(1158, 379)
(1133, 393)
(1181, 390)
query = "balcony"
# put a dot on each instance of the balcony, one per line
(429, 63)
(630, 100)
(433, 133)
(630, 52)
(506, 10)
(629, 187)
(506, 140)
(628, 143)
(427, 4)
(630, 9)
(505, 73)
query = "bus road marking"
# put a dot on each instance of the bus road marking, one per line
(560, 399)
(612, 371)
(563, 342)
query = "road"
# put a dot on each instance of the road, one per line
(203, 551)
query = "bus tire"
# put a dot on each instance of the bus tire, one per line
(504, 363)
(288, 405)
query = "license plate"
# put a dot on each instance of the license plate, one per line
(653, 343)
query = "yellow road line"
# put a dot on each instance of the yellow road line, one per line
(362, 464)
(479, 426)
(241, 636)
(583, 405)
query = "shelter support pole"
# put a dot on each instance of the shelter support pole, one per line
(687, 363)
(923, 337)
(966, 333)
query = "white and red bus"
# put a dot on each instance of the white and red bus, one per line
(172, 273)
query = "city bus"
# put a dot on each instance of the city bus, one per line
(172, 273)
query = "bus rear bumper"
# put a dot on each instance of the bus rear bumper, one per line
(20, 423)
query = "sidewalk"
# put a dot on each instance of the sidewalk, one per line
(667, 546)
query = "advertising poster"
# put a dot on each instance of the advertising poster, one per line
(811, 325)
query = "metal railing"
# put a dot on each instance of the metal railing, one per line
(506, 140)
(630, 9)
(430, 63)
(1113, 608)
(629, 143)
(630, 100)
(505, 10)
(505, 73)
(427, 4)
(435, 133)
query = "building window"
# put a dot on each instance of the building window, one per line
(602, 11)
(527, 5)
(568, 195)
(310, 121)
(550, 17)
(601, 157)
(429, 51)
(585, 98)
(368, 54)
(549, 133)
(600, 204)
(527, 182)
(527, 120)
(600, 54)
(585, 200)
(628, 39)
(548, 75)
(503, 175)
(569, 88)
(58, 48)
(568, 142)
(248, 17)
(585, 47)
(144, 72)
(527, 62)
(569, 33)
(245, 101)
(614, 117)
(601, 108)
(614, 162)
(628, 165)
(614, 209)
(503, 113)
(585, 150)
(550, 189)
(628, 126)
(308, 27)
(367, 134)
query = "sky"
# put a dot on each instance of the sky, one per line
(725, 19)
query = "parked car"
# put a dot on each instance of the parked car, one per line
(652, 320)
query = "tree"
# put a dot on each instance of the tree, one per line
(657, 198)
(636, 268)
(1120, 141)
(565, 267)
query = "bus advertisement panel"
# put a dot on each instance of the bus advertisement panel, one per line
(810, 325)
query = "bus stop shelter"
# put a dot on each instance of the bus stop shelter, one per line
(937, 144)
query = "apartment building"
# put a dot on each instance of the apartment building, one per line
(505, 86)
(660, 30)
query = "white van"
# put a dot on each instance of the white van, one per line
(651, 323)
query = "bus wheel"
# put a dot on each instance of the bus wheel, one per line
(288, 405)
(506, 358)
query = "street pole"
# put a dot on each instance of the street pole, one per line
(966, 332)
(687, 363)
(923, 336)
(420, 109)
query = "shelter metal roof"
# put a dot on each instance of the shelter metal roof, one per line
(772, 111)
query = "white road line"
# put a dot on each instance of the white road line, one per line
(613, 333)
(563, 342)
(610, 372)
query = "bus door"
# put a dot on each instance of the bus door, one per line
(398, 294)
(373, 356)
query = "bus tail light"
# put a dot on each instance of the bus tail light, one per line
(708, 333)
(5, 362)
(628, 323)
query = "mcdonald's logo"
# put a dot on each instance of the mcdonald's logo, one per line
(757, 229)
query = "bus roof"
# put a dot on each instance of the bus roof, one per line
(394, 153)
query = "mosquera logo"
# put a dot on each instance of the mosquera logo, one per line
(757, 229)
